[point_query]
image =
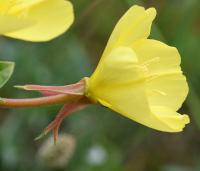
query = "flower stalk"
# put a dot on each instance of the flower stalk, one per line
(38, 102)
(72, 96)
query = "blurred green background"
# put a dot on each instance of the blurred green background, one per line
(105, 141)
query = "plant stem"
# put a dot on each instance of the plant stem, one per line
(41, 101)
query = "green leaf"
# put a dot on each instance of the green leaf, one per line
(6, 70)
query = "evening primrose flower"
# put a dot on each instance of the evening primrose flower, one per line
(35, 20)
(140, 78)
(137, 77)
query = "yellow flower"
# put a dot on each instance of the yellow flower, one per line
(35, 20)
(140, 78)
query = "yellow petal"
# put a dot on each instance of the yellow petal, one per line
(157, 57)
(135, 24)
(12, 23)
(171, 121)
(13, 6)
(120, 67)
(51, 18)
(167, 90)
(118, 84)
(159, 118)
(166, 85)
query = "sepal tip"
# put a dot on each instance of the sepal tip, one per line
(20, 87)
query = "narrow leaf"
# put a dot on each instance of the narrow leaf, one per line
(6, 70)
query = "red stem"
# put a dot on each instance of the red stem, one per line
(41, 101)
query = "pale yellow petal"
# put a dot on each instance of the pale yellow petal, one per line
(128, 100)
(12, 23)
(118, 84)
(172, 121)
(134, 24)
(167, 90)
(160, 118)
(120, 67)
(17, 5)
(158, 57)
(52, 18)
(166, 85)
(13, 6)
(134, 105)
